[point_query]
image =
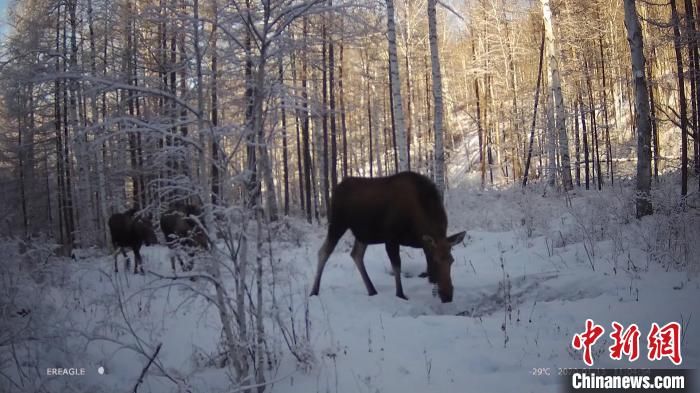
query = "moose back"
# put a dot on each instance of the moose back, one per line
(405, 209)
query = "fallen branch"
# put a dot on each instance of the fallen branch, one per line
(145, 369)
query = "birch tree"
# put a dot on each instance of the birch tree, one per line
(558, 97)
(641, 103)
(399, 126)
(439, 163)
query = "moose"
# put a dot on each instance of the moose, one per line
(130, 231)
(400, 210)
(181, 229)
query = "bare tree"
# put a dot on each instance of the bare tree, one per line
(558, 97)
(401, 140)
(675, 21)
(534, 113)
(643, 119)
(439, 161)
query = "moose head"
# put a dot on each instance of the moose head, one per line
(438, 253)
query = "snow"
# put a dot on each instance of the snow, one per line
(561, 260)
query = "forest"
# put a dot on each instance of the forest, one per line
(562, 135)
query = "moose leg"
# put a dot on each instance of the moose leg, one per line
(116, 257)
(126, 259)
(428, 271)
(172, 247)
(323, 254)
(138, 262)
(187, 267)
(358, 255)
(392, 249)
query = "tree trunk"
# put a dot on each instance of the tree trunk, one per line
(553, 54)
(297, 120)
(377, 135)
(677, 44)
(343, 123)
(643, 119)
(81, 196)
(259, 311)
(176, 142)
(305, 126)
(265, 162)
(21, 168)
(654, 122)
(251, 179)
(59, 141)
(534, 111)
(63, 139)
(488, 99)
(285, 165)
(577, 142)
(694, 59)
(551, 140)
(584, 135)
(216, 195)
(480, 132)
(331, 97)
(370, 122)
(608, 147)
(439, 163)
(396, 88)
(324, 114)
(204, 178)
(594, 129)
(410, 132)
(99, 162)
(77, 180)
(393, 129)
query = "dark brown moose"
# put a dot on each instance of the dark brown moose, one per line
(132, 232)
(183, 231)
(400, 210)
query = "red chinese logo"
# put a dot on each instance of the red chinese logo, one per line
(662, 342)
(665, 342)
(625, 343)
(586, 340)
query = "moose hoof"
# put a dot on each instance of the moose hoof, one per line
(372, 292)
(402, 296)
(314, 292)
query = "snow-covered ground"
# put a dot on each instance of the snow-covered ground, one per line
(530, 272)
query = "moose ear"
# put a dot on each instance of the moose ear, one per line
(456, 238)
(428, 242)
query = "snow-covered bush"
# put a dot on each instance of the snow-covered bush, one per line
(37, 328)
(671, 234)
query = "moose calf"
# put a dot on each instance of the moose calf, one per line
(181, 229)
(132, 232)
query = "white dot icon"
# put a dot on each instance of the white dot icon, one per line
(101, 370)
